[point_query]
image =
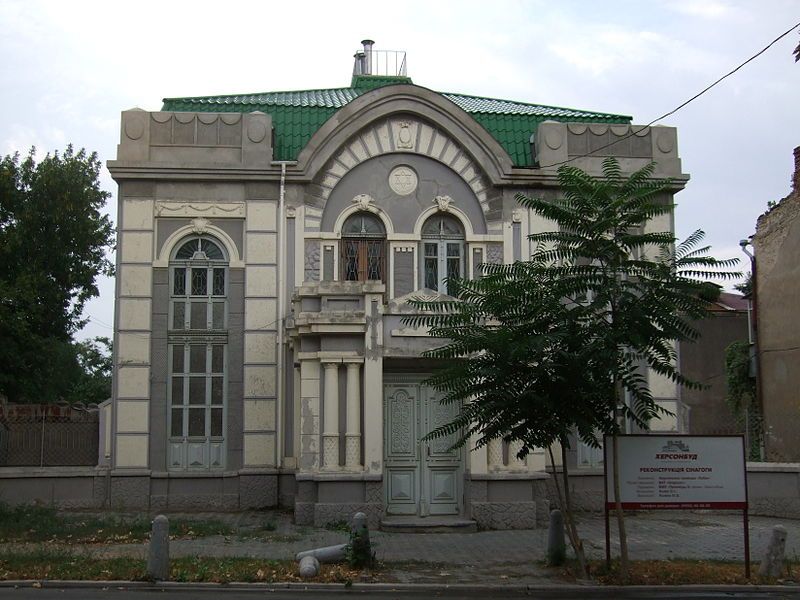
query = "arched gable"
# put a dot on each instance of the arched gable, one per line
(402, 119)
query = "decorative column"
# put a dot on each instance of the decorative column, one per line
(495, 454)
(330, 435)
(353, 433)
(515, 463)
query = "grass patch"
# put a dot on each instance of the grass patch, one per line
(44, 563)
(29, 523)
(676, 572)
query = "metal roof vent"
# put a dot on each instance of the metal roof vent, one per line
(385, 63)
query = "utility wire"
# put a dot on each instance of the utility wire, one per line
(680, 106)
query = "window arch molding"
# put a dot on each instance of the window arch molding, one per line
(356, 208)
(175, 240)
(453, 211)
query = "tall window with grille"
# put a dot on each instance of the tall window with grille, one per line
(442, 253)
(363, 248)
(197, 343)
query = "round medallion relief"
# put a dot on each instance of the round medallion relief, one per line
(403, 180)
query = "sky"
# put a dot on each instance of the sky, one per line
(70, 68)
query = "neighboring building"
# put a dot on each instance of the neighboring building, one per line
(267, 247)
(777, 299)
(703, 361)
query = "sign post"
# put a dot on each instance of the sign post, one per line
(678, 472)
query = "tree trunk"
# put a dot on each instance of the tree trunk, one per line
(624, 571)
(566, 509)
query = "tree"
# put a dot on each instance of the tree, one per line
(53, 244)
(93, 385)
(563, 341)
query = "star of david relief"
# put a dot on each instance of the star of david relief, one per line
(443, 202)
(363, 201)
(403, 180)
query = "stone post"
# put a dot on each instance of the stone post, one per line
(556, 546)
(775, 554)
(158, 553)
(353, 433)
(330, 435)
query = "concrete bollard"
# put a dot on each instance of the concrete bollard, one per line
(556, 547)
(775, 554)
(309, 567)
(328, 554)
(158, 555)
(360, 549)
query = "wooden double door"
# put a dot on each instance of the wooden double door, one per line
(421, 477)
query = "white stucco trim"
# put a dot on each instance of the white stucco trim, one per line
(357, 208)
(234, 260)
(453, 210)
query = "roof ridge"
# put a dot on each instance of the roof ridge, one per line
(534, 104)
(211, 96)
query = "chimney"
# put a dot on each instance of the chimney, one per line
(367, 56)
(796, 176)
(358, 64)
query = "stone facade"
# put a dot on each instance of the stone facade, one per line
(261, 351)
(777, 288)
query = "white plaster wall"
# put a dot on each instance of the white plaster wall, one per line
(136, 246)
(260, 248)
(135, 280)
(259, 415)
(260, 347)
(259, 449)
(137, 214)
(260, 313)
(131, 451)
(260, 281)
(133, 348)
(134, 313)
(132, 416)
(259, 381)
(261, 216)
(134, 382)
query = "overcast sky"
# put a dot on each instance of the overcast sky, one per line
(69, 68)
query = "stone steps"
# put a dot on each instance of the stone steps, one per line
(430, 524)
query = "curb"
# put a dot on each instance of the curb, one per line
(460, 588)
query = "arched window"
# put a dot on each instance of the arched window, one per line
(363, 248)
(197, 342)
(442, 251)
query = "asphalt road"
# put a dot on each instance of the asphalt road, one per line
(207, 592)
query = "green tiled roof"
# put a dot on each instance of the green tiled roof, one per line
(296, 116)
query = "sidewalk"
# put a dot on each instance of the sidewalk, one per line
(486, 555)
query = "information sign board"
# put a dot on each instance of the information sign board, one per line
(677, 472)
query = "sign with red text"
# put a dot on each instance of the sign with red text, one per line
(678, 471)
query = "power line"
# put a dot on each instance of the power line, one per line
(680, 106)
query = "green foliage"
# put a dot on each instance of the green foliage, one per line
(53, 243)
(543, 347)
(741, 387)
(93, 383)
(358, 552)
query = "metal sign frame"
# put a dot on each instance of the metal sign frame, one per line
(669, 505)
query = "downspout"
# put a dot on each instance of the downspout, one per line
(281, 259)
(752, 322)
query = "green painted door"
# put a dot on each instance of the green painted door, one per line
(421, 477)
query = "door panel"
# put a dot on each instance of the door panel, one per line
(401, 435)
(442, 468)
(421, 478)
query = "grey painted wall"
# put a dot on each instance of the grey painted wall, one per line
(372, 177)
(403, 273)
